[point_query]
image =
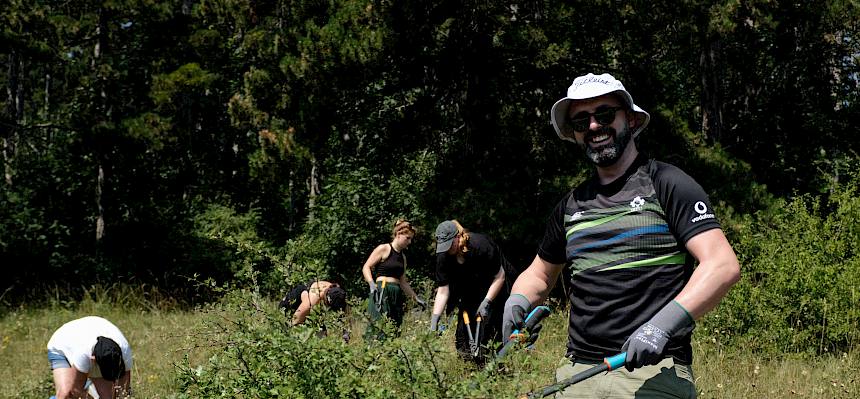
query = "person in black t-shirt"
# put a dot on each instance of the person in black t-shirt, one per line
(385, 274)
(470, 273)
(630, 235)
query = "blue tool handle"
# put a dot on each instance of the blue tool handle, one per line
(540, 312)
(536, 310)
(616, 361)
(609, 364)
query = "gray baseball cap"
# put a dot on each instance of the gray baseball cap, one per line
(445, 234)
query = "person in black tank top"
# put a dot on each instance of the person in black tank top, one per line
(385, 274)
(301, 298)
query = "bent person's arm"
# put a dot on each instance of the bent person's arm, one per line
(496, 285)
(308, 302)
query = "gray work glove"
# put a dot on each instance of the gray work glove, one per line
(434, 322)
(372, 285)
(421, 303)
(517, 307)
(647, 344)
(484, 308)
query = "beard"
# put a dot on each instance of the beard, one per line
(608, 154)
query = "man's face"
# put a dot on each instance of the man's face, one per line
(603, 143)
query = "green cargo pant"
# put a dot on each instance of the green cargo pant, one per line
(389, 303)
(663, 380)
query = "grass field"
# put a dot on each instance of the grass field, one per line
(163, 335)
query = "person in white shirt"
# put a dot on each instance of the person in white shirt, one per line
(90, 348)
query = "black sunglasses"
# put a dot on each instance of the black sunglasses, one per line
(603, 116)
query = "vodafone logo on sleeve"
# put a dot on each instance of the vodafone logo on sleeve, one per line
(702, 210)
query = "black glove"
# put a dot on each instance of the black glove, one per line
(485, 308)
(647, 344)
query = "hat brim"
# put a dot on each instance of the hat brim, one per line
(565, 132)
(443, 246)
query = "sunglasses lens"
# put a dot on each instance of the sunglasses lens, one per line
(605, 117)
(582, 120)
(580, 124)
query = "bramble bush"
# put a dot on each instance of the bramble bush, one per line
(800, 285)
(263, 357)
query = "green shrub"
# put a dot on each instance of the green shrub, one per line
(264, 358)
(233, 249)
(800, 282)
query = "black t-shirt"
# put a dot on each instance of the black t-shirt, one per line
(625, 244)
(468, 282)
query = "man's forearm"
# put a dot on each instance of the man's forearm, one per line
(708, 285)
(717, 272)
(535, 290)
(537, 280)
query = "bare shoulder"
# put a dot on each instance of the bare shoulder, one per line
(383, 250)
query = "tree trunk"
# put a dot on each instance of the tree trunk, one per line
(15, 110)
(46, 107)
(103, 112)
(313, 186)
(712, 95)
(100, 221)
(291, 225)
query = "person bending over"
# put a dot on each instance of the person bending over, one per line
(470, 274)
(90, 348)
(303, 297)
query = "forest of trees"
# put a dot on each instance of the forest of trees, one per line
(152, 141)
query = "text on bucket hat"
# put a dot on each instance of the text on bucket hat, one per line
(445, 234)
(109, 358)
(590, 86)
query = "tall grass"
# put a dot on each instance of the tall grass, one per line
(734, 372)
(175, 350)
(154, 325)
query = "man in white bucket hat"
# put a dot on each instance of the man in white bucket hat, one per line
(631, 235)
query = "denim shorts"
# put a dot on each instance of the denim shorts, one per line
(58, 360)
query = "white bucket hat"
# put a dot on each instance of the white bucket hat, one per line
(590, 86)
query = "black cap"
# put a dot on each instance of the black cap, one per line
(109, 358)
